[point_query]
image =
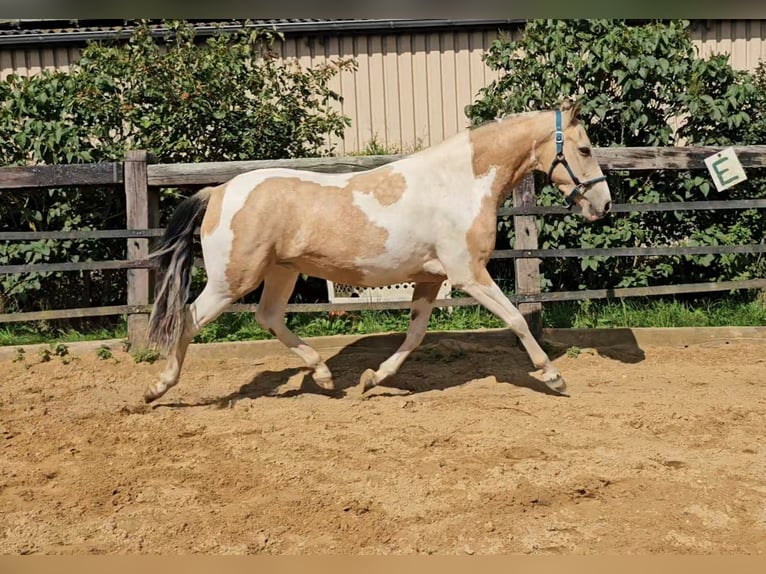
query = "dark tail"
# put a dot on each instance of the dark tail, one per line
(173, 260)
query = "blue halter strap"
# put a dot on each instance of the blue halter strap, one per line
(580, 187)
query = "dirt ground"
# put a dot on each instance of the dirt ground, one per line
(656, 449)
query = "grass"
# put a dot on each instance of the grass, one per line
(144, 356)
(577, 314)
(573, 352)
(243, 326)
(742, 310)
(31, 333)
(104, 353)
(657, 313)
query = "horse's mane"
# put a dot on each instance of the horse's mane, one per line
(506, 117)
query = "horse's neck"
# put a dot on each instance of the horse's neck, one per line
(492, 158)
(508, 147)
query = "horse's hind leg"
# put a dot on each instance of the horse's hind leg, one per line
(422, 304)
(205, 308)
(278, 285)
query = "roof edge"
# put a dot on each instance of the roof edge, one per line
(330, 27)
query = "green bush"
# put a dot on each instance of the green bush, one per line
(640, 85)
(226, 99)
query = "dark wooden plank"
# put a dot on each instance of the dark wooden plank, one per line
(218, 172)
(498, 254)
(73, 266)
(673, 158)
(629, 251)
(66, 314)
(535, 297)
(111, 173)
(628, 159)
(19, 177)
(503, 212)
(526, 298)
(641, 207)
(653, 291)
(80, 234)
(690, 205)
(142, 212)
(527, 270)
(361, 306)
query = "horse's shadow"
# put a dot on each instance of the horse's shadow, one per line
(462, 356)
(617, 344)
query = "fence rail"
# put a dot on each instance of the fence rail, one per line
(520, 299)
(503, 212)
(140, 178)
(497, 254)
(193, 174)
(61, 175)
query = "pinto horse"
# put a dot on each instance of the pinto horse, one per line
(425, 218)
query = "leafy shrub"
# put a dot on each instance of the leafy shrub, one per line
(227, 99)
(640, 85)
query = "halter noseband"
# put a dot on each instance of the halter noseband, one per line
(580, 186)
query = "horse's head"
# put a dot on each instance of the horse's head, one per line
(568, 159)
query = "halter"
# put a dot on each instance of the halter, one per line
(580, 186)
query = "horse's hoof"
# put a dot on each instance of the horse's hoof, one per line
(325, 383)
(355, 393)
(558, 384)
(368, 380)
(151, 395)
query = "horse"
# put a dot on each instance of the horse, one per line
(424, 218)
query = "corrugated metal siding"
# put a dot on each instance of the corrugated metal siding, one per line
(743, 40)
(410, 90)
(32, 60)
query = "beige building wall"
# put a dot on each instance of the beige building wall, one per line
(743, 40)
(32, 60)
(410, 89)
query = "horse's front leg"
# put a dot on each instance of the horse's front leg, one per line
(423, 299)
(485, 291)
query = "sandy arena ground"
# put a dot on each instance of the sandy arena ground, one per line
(656, 449)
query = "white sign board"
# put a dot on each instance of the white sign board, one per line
(725, 169)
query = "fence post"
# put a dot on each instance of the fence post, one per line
(142, 208)
(527, 270)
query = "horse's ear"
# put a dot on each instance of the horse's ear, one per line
(572, 108)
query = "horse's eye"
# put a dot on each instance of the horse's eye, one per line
(584, 151)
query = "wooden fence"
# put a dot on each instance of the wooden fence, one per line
(141, 180)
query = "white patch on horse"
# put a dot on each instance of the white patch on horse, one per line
(324, 179)
(455, 241)
(402, 243)
(433, 214)
(220, 242)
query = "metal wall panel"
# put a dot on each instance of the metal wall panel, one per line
(744, 41)
(409, 90)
